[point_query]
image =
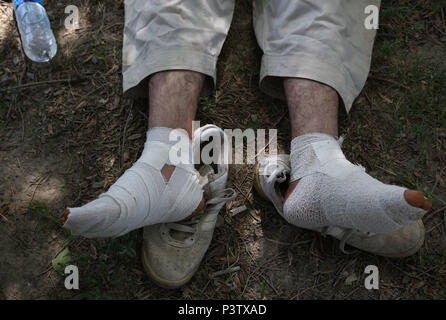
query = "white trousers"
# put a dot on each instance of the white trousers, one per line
(321, 40)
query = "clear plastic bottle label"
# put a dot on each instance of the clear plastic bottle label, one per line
(17, 3)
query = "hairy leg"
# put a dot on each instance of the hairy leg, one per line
(173, 101)
(173, 105)
(313, 108)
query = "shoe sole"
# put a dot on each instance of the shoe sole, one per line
(164, 283)
(405, 254)
(410, 251)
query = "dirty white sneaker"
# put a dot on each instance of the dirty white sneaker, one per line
(270, 173)
(273, 171)
(172, 252)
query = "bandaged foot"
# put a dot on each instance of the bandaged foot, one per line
(332, 192)
(143, 196)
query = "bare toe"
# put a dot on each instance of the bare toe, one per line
(416, 199)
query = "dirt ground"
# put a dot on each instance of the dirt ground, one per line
(67, 133)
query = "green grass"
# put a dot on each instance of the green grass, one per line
(109, 274)
(411, 91)
(261, 290)
(41, 209)
(419, 111)
(207, 104)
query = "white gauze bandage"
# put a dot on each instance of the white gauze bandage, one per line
(141, 196)
(333, 192)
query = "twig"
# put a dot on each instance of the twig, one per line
(2, 213)
(433, 213)
(434, 227)
(23, 123)
(404, 272)
(257, 267)
(243, 194)
(270, 284)
(351, 292)
(205, 287)
(33, 84)
(226, 271)
(389, 81)
(237, 210)
(39, 182)
(387, 171)
(310, 288)
(124, 134)
(436, 180)
(43, 272)
(289, 243)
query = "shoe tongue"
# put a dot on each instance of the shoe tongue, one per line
(205, 170)
(206, 177)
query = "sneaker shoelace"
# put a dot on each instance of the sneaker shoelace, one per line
(346, 234)
(278, 175)
(190, 226)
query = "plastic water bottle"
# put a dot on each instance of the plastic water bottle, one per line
(38, 39)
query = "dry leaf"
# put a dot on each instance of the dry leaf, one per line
(418, 284)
